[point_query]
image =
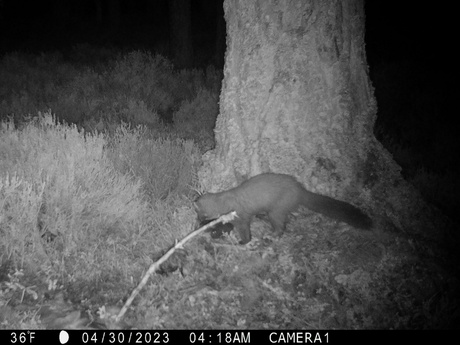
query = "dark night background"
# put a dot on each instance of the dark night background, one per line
(409, 47)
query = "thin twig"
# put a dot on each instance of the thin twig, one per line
(153, 267)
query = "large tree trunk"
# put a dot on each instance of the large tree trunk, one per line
(220, 36)
(297, 99)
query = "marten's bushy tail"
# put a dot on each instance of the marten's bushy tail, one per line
(337, 210)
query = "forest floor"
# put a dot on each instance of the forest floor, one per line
(319, 275)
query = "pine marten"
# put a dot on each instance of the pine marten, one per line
(277, 195)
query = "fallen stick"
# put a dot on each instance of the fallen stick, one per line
(153, 267)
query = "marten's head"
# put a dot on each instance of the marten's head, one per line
(207, 208)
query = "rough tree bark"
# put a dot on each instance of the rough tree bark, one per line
(220, 36)
(297, 99)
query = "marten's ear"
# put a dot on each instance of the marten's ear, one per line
(197, 195)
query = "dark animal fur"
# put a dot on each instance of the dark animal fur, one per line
(217, 230)
(276, 195)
